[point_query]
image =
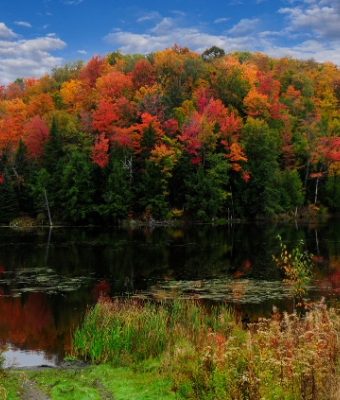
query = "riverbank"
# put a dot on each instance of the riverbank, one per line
(188, 350)
(184, 350)
(304, 214)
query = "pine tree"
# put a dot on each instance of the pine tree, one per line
(21, 171)
(53, 148)
(8, 200)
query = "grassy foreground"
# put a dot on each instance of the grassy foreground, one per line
(183, 350)
(93, 382)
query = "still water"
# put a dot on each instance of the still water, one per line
(48, 277)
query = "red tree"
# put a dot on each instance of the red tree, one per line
(36, 135)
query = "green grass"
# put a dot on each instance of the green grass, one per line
(93, 382)
(130, 331)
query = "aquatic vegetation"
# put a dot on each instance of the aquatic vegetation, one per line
(226, 289)
(41, 280)
(298, 268)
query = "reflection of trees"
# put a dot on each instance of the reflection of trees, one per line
(29, 322)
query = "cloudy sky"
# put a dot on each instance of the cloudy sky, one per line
(37, 35)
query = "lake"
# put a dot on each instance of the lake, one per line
(48, 277)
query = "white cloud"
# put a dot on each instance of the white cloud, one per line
(244, 35)
(304, 51)
(82, 51)
(23, 23)
(6, 33)
(164, 27)
(243, 27)
(72, 2)
(178, 12)
(150, 16)
(322, 18)
(146, 18)
(167, 33)
(219, 20)
(26, 58)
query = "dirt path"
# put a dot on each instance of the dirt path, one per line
(32, 392)
(104, 393)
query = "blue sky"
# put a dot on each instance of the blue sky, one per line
(37, 35)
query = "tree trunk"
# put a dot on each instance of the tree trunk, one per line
(316, 190)
(48, 208)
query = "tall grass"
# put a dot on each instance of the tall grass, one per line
(209, 356)
(294, 358)
(125, 331)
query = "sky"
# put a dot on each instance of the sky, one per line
(36, 36)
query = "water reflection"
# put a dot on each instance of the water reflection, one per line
(27, 358)
(49, 277)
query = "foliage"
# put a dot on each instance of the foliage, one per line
(117, 194)
(297, 267)
(274, 121)
(261, 194)
(207, 188)
(77, 188)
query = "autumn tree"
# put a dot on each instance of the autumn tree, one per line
(212, 52)
(36, 135)
(143, 74)
(66, 72)
(12, 122)
(92, 70)
(40, 105)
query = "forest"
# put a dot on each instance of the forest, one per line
(171, 134)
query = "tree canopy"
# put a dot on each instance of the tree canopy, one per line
(142, 135)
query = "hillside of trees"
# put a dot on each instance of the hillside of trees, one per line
(208, 135)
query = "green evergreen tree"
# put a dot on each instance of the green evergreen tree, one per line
(53, 150)
(292, 194)
(207, 188)
(333, 193)
(260, 196)
(39, 191)
(8, 200)
(77, 188)
(152, 195)
(21, 171)
(116, 195)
